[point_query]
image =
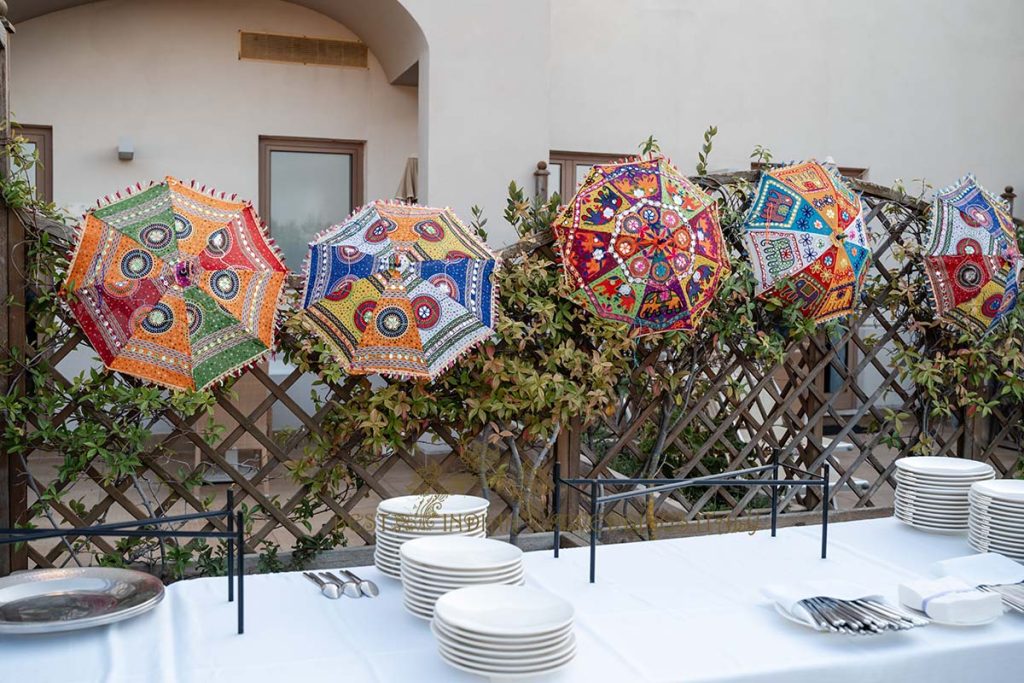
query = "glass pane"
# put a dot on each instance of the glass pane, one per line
(28, 148)
(581, 174)
(555, 179)
(308, 192)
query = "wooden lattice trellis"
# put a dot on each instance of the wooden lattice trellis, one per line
(818, 388)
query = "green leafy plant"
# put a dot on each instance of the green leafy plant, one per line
(705, 150)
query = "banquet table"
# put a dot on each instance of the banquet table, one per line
(686, 609)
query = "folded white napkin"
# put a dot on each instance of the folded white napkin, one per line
(950, 600)
(985, 569)
(787, 596)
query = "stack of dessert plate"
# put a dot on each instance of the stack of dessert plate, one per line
(997, 517)
(408, 517)
(501, 631)
(437, 565)
(932, 492)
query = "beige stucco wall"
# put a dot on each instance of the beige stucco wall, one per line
(168, 75)
(909, 88)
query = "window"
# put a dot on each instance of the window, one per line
(568, 169)
(39, 140)
(306, 185)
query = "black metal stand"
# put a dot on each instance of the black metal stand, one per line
(665, 485)
(135, 529)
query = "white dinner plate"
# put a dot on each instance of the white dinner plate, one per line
(529, 656)
(433, 504)
(501, 642)
(432, 595)
(416, 528)
(422, 601)
(506, 673)
(997, 520)
(418, 612)
(1014, 543)
(957, 508)
(505, 610)
(937, 492)
(978, 500)
(437, 585)
(458, 574)
(1013, 538)
(461, 552)
(938, 518)
(938, 521)
(952, 531)
(1010, 490)
(508, 667)
(435, 593)
(961, 498)
(942, 510)
(937, 484)
(983, 547)
(439, 519)
(1003, 533)
(428, 575)
(394, 545)
(942, 466)
(395, 541)
(907, 475)
(386, 567)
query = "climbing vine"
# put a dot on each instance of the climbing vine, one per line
(550, 365)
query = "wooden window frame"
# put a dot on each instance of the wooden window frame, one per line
(42, 138)
(568, 162)
(852, 172)
(278, 143)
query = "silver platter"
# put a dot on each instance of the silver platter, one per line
(49, 600)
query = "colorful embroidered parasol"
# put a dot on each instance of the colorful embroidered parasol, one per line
(807, 240)
(972, 260)
(175, 285)
(400, 290)
(642, 244)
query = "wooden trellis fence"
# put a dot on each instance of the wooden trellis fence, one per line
(833, 400)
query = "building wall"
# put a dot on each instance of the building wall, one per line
(168, 75)
(909, 88)
(483, 101)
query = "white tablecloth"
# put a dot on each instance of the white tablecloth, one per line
(673, 610)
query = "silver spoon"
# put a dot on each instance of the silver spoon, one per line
(369, 588)
(330, 590)
(349, 588)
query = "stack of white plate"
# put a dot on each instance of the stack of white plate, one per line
(932, 492)
(434, 566)
(997, 517)
(408, 517)
(501, 631)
